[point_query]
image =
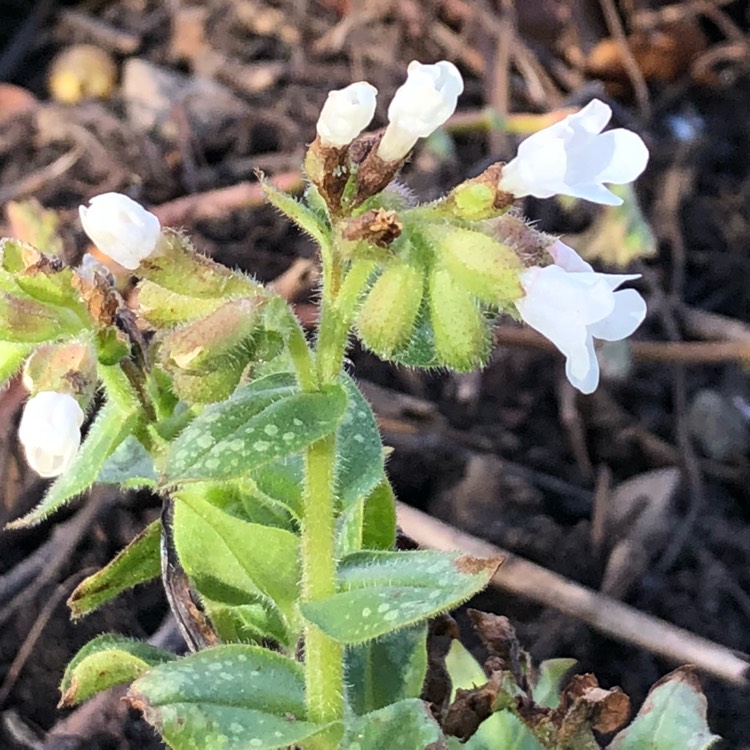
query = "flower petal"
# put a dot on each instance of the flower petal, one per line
(584, 379)
(628, 156)
(629, 312)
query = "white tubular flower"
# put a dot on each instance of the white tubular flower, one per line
(571, 305)
(50, 432)
(346, 113)
(120, 228)
(420, 106)
(573, 157)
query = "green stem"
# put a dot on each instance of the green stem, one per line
(336, 320)
(324, 657)
(122, 391)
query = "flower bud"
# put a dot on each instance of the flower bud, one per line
(346, 113)
(480, 264)
(462, 336)
(573, 157)
(50, 432)
(121, 228)
(206, 358)
(419, 107)
(387, 317)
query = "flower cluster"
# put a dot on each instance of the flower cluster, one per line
(418, 108)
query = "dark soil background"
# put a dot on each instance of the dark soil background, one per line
(511, 454)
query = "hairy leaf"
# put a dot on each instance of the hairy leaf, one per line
(137, 563)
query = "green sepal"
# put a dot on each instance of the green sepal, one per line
(388, 316)
(234, 697)
(138, 563)
(107, 661)
(461, 333)
(484, 267)
(381, 592)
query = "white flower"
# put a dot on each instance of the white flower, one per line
(420, 106)
(50, 432)
(573, 157)
(346, 113)
(571, 304)
(120, 228)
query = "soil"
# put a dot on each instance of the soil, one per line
(513, 454)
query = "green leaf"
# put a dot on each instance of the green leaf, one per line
(106, 661)
(387, 670)
(406, 725)
(546, 692)
(233, 697)
(359, 460)
(139, 562)
(281, 482)
(110, 427)
(673, 717)
(130, 466)
(260, 561)
(369, 523)
(380, 592)
(12, 356)
(262, 422)
(237, 621)
(305, 218)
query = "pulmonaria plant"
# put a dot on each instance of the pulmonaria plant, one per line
(276, 543)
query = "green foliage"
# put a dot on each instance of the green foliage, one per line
(305, 218)
(110, 427)
(238, 563)
(264, 421)
(387, 670)
(130, 466)
(107, 661)
(234, 697)
(673, 717)
(406, 725)
(137, 563)
(369, 523)
(380, 592)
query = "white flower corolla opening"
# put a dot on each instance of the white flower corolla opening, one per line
(571, 304)
(573, 157)
(346, 113)
(420, 106)
(121, 228)
(50, 432)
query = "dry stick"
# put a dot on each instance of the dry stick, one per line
(14, 671)
(629, 62)
(215, 204)
(607, 615)
(685, 352)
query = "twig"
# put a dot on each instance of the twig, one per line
(684, 352)
(629, 62)
(100, 32)
(607, 615)
(35, 633)
(35, 181)
(215, 204)
(65, 539)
